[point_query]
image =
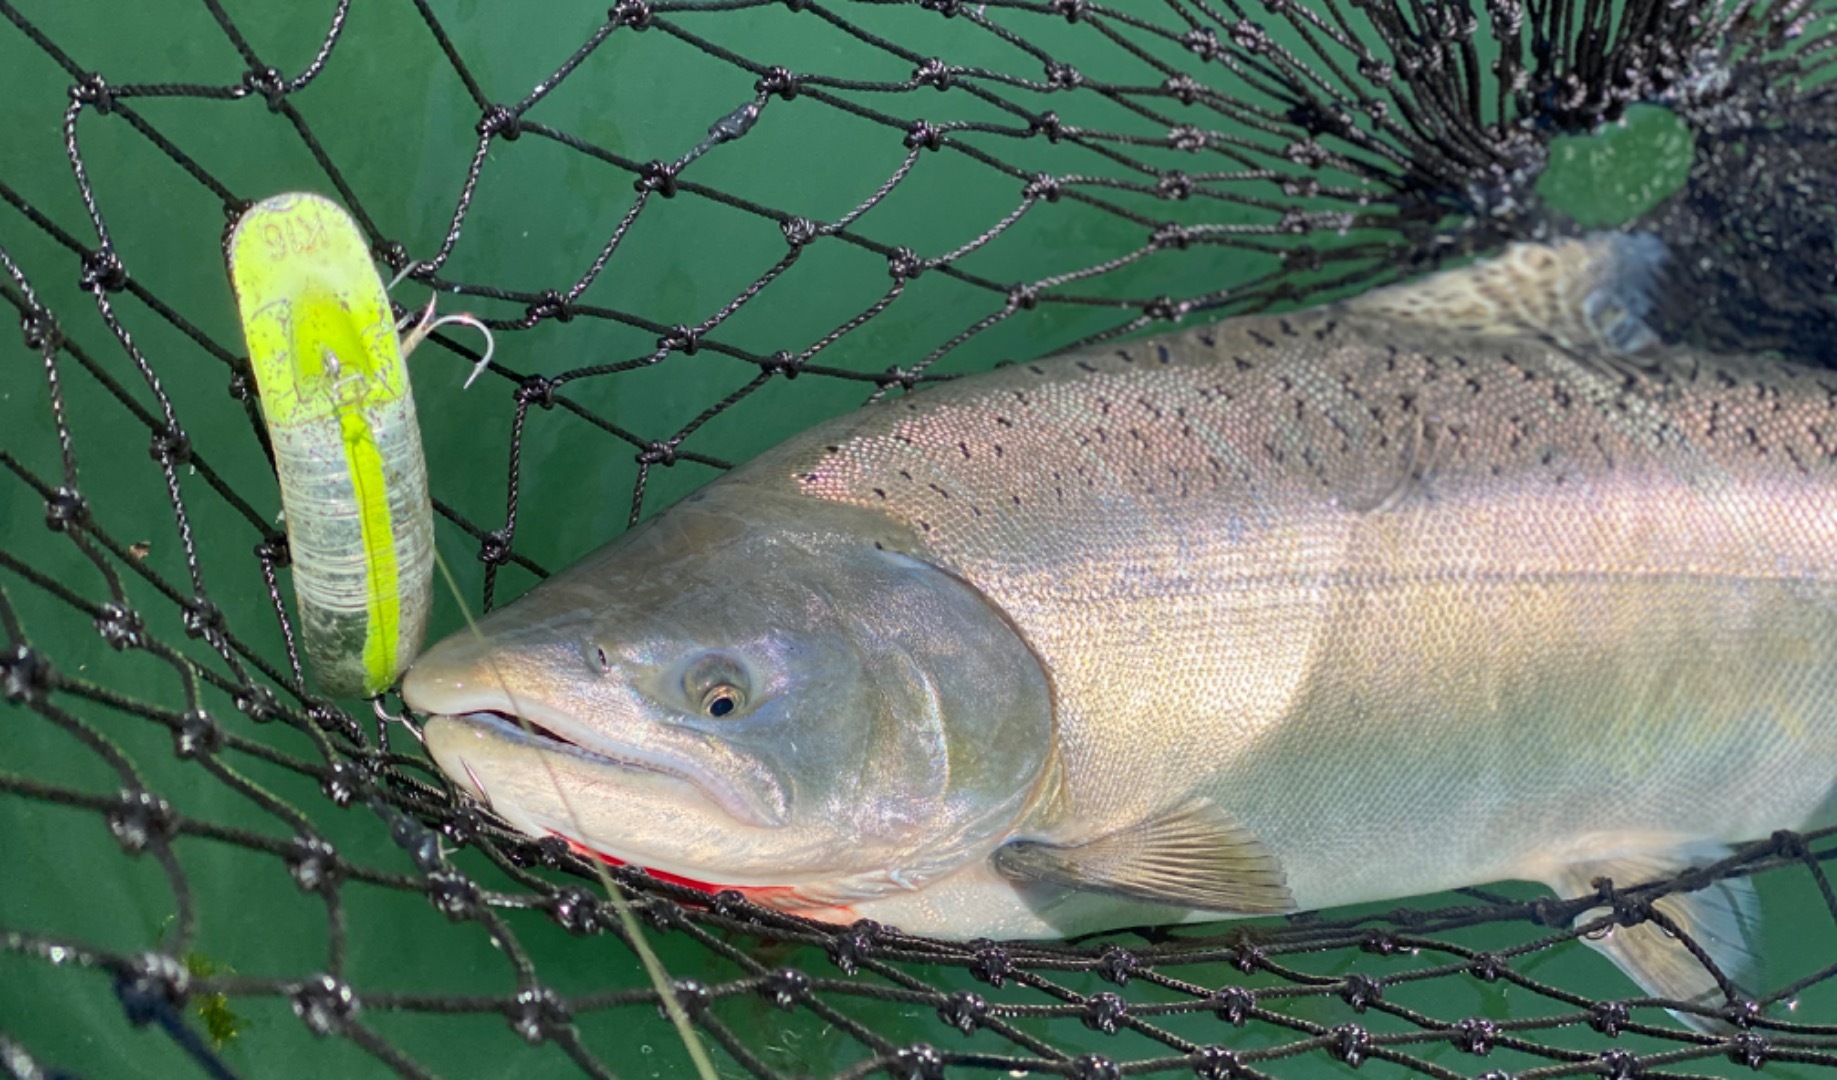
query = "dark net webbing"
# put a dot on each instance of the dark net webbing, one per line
(696, 228)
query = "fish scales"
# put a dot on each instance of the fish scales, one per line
(1208, 513)
(1467, 580)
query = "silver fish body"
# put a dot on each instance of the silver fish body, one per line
(1460, 582)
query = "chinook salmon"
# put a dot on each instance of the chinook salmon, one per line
(1465, 580)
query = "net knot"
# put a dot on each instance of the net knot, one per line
(800, 231)
(64, 509)
(456, 896)
(102, 270)
(258, 703)
(1475, 1035)
(898, 376)
(1250, 37)
(658, 453)
(1232, 1004)
(692, 994)
(1307, 152)
(1749, 1048)
(1070, 10)
(779, 81)
(494, 548)
(635, 14)
(1789, 844)
(991, 964)
(537, 390)
(1202, 43)
(917, 1062)
(1376, 71)
(933, 73)
(1104, 1012)
(848, 948)
(1350, 1043)
(1043, 187)
(314, 864)
(1619, 1065)
(922, 133)
(785, 987)
(324, 1004)
(1171, 235)
(1094, 1067)
(1742, 1012)
(1024, 297)
(197, 734)
(463, 825)
(575, 910)
(26, 676)
(170, 446)
(274, 550)
(662, 912)
(658, 176)
(119, 626)
(1183, 88)
(1381, 943)
(904, 264)
(964, 1010)
(1177, 186)
(1165, 308)
(93, 90)
(1249, 959)
(950, 9)
(42, 334)
(682, 339)
(537, 1014)
(346, 781)
(1360, 991)
(156, 985)
(1607, 1017)
(269, 83)
(1047, 124)
(242, 380)
(1186, 137)
(499, 121)
(140, 818)
(202, 618)
(1117, 965)
(1063, 76)
(783, 363)
(1215, 1063)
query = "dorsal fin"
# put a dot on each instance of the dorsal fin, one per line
(1592, 293)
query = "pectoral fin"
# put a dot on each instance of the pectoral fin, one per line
(1195, 856)
(1723, 919)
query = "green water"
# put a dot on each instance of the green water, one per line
(398, 124)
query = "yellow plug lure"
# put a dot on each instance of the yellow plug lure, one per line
(347, 450)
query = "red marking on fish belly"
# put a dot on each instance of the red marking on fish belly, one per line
(777, 897)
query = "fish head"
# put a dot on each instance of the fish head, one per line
(755, 692)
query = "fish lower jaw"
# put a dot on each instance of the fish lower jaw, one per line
(788, 898)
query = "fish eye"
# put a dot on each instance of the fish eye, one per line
(722, 700)
(717, 684)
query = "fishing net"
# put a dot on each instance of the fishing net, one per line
(697, 228)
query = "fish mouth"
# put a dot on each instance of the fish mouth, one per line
(556, 736)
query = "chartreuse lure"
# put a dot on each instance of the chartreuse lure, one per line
(334, 392)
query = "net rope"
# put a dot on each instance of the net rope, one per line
(1312, 149)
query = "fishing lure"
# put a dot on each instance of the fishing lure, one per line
(334, 391)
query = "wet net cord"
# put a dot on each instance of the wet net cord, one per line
(1427, 153)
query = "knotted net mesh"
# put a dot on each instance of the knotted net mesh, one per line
(695, 229)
